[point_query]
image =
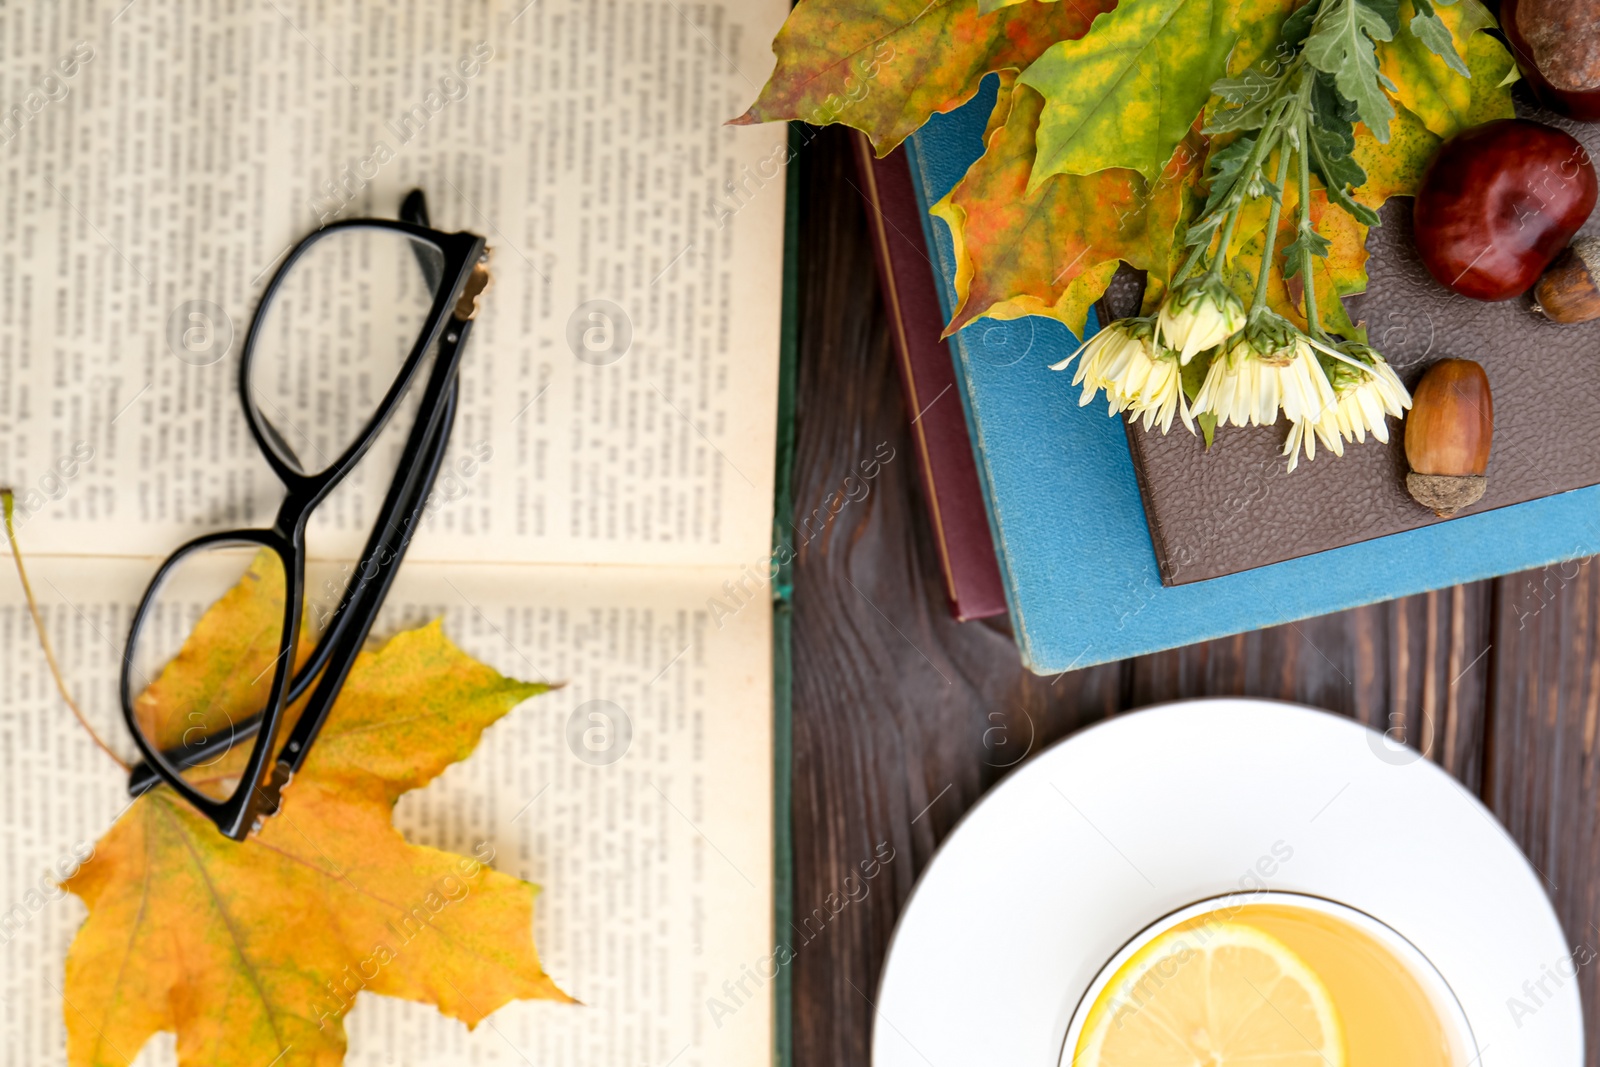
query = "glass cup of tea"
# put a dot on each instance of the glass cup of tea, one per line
(1269, 979)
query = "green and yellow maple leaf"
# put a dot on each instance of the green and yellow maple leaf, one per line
(1048, 253)
(1125, 94)
(1393, 168)
(1260, 41)
(1052, 251)
(885, 66)
(1344, 271)
(252, 951)
(1430, 87)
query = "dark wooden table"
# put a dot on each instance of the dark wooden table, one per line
(894, 703)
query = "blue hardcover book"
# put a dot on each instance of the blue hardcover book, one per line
(1080, 570)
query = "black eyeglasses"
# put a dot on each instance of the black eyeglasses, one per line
(339, 340)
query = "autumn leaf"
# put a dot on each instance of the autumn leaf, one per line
(1430, 86)
(885, 66)
(1494, 71)
(1344, 272)
(1260, 43)
(1126, 93)
(1022, 254)
(1395, 168)
(220, 676)
(252, 952)
(1051, 251)
(1175, 197)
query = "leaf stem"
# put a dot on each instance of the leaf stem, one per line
(1188, 265)
(1285, 150)
(1227, 237)
(1258, 155)
(8, 501)
(1313, 319)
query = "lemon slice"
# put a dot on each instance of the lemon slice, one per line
(1213, 993)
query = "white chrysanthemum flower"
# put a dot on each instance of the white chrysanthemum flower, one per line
(1137, 376)
(1247, 387)
(1198, 315)
(1361, 405)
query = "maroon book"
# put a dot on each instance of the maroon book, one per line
(928, 383)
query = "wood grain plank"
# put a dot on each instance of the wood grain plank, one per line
(903, 718)
(1388, 666)
(1540, 777)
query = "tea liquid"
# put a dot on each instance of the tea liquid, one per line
(1389, 1018)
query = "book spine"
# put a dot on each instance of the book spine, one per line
(939, 433)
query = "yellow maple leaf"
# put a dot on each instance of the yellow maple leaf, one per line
(253, 952)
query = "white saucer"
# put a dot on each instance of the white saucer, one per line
(1097, 837)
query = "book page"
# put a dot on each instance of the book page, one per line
(638, 796)
(618, 395)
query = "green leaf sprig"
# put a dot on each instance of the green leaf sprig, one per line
(1243, 364)
(1309, 107)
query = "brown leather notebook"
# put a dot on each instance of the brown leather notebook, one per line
(1235, 507)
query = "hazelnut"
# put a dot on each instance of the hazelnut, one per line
(1567, 292)
(1448, 435)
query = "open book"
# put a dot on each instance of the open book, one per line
(604, 515)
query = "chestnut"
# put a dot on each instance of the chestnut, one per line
(1498, 203)
(1557, 45)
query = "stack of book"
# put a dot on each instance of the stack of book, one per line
(1104, 541)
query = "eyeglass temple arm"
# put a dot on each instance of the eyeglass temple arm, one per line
(349, 642)
(414, 209)
(267, 797)
(390, 537)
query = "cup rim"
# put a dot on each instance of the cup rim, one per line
(1421, 968)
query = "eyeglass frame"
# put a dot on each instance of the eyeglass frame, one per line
(463, 277)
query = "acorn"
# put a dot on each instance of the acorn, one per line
(1448, 435)
(1567, 292)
